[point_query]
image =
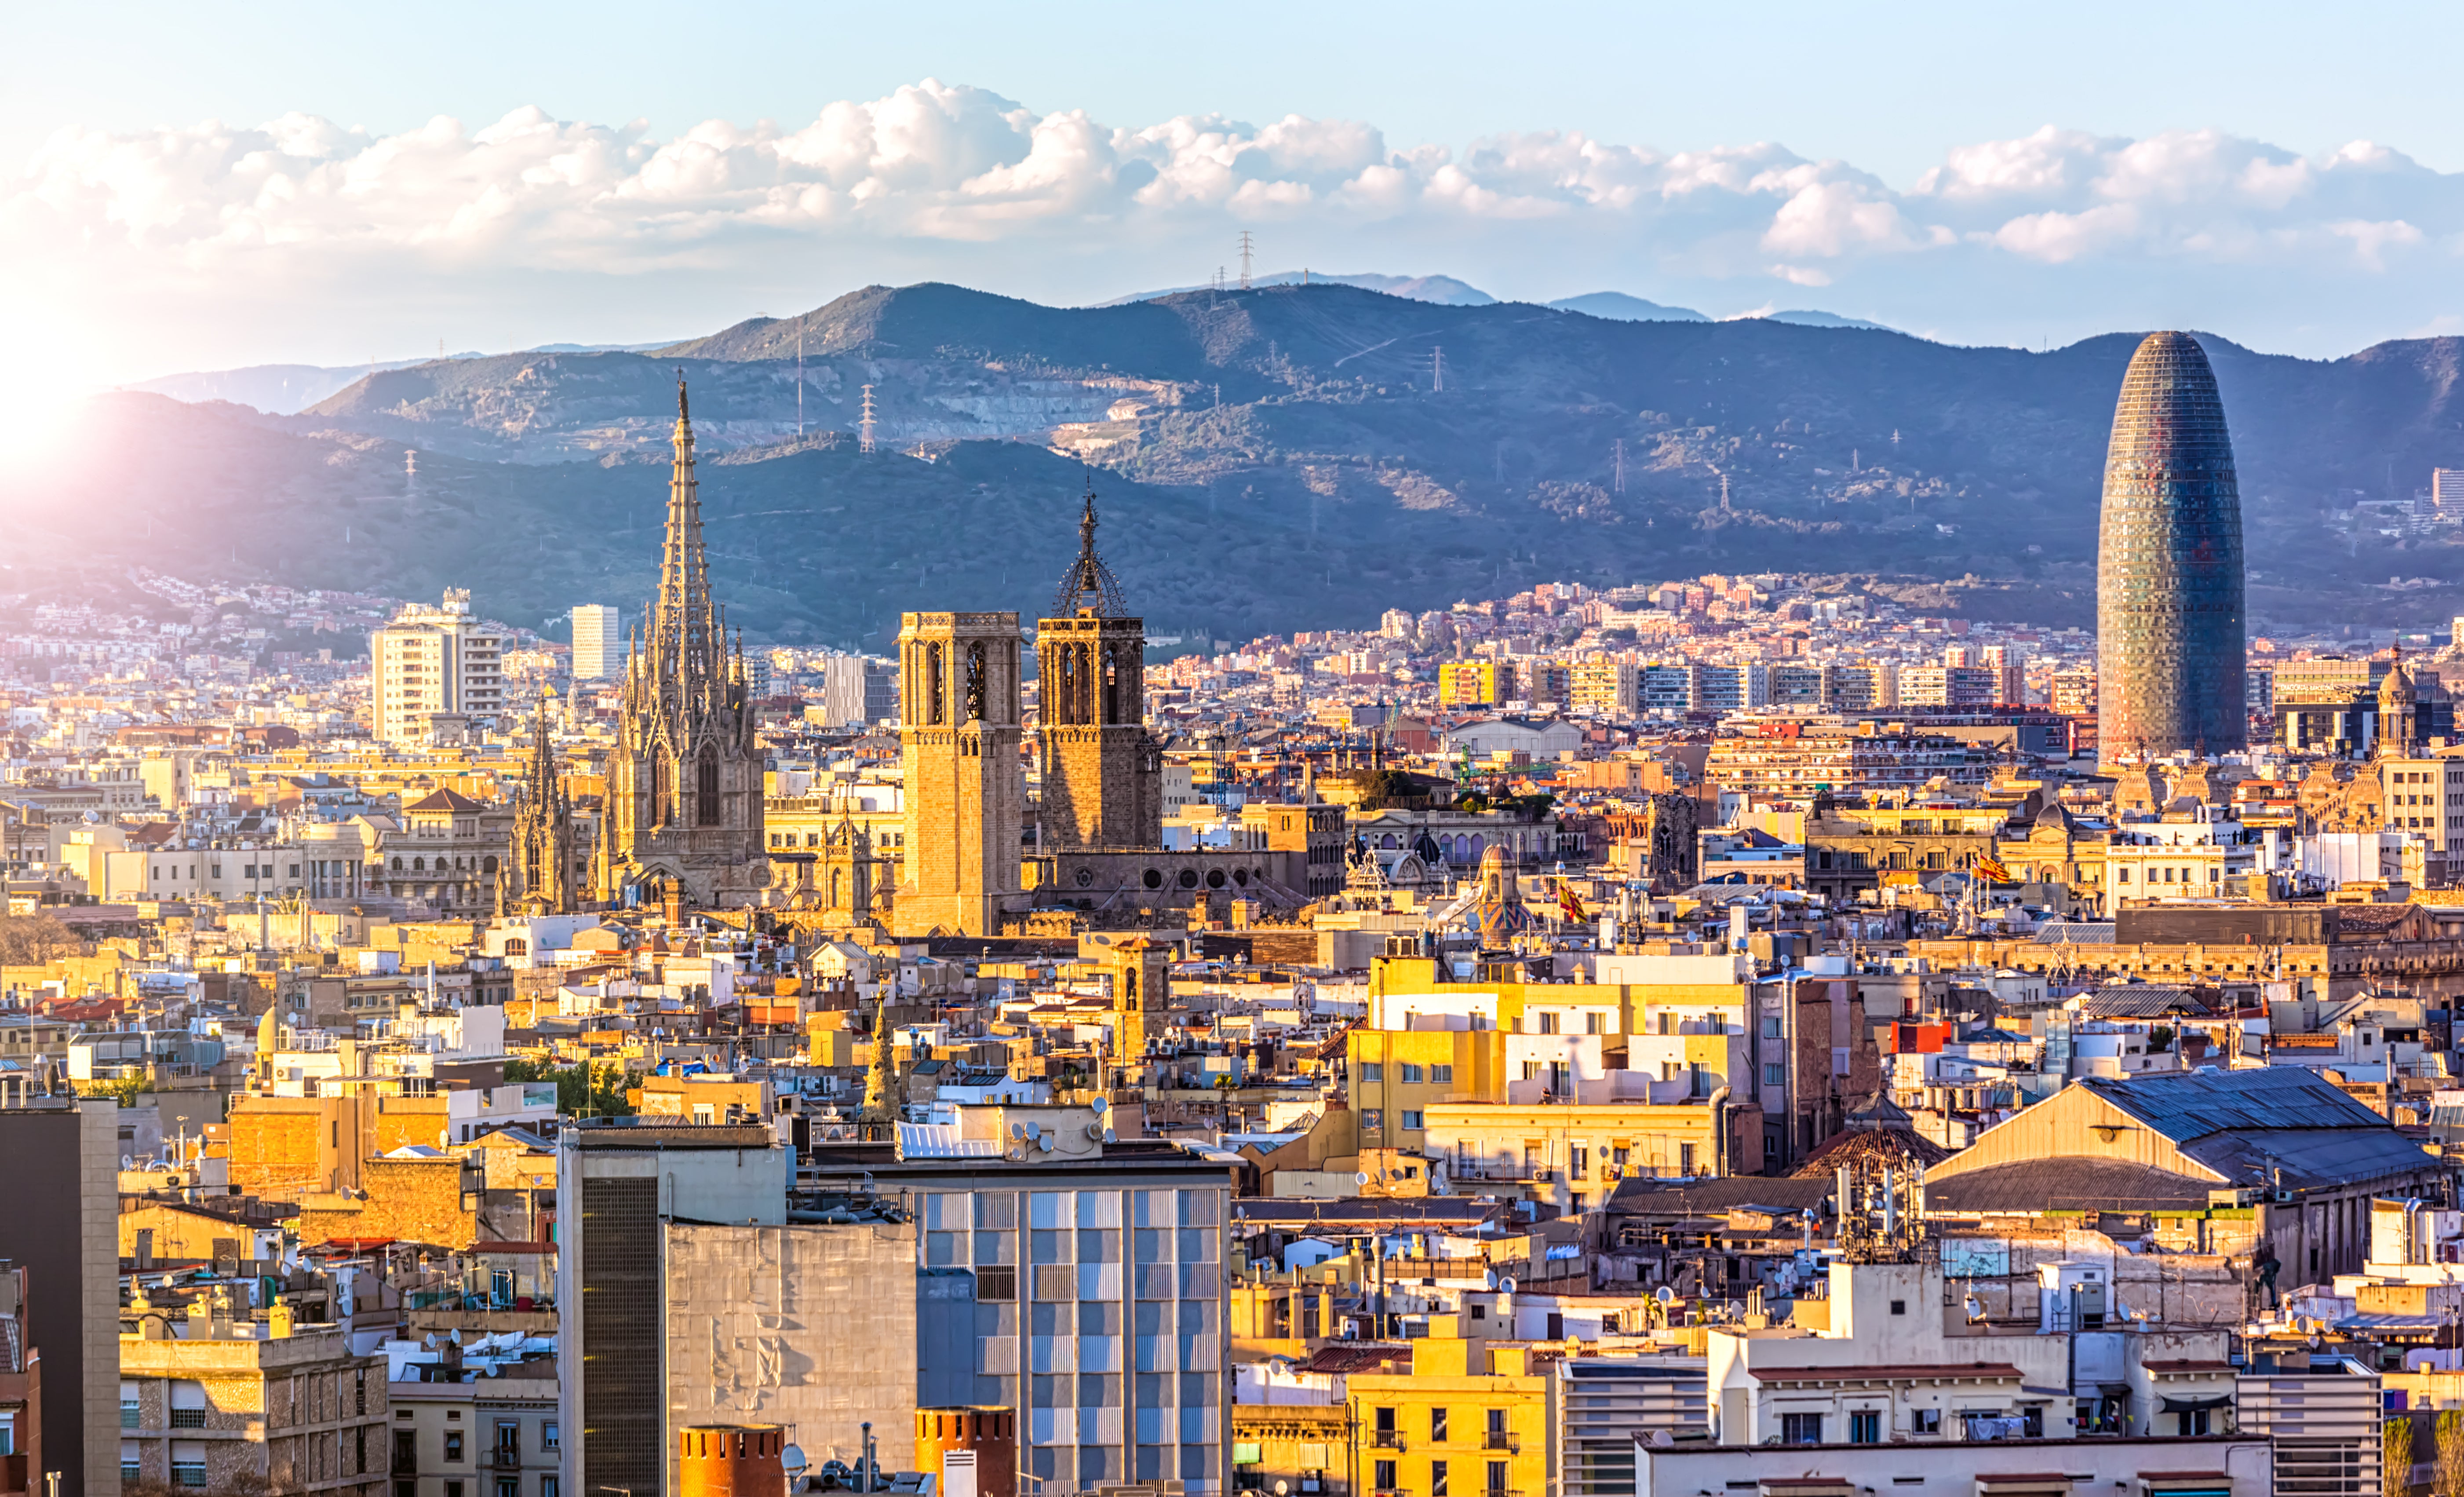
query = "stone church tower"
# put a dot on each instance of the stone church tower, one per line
(542, 877)
(1103, 775)
(684, 786)
(958, 738)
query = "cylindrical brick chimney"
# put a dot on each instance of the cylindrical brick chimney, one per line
(983, 1434)
(730, 1460)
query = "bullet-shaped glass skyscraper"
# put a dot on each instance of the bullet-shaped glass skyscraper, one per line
(2169, 569)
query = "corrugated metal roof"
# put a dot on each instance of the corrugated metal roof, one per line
(2067, 1184)
(2196, 1104)
(2140, 1001)
(2311, 1158)
(2076, 932)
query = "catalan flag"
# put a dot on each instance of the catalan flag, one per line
(1571, 902)
(1992, 869)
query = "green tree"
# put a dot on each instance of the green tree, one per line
(582, 1090)
(2448, 1454)
(2395, 1456)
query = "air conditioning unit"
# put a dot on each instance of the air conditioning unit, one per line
(2282, 1197)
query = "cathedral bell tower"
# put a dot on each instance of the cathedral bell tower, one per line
(1103, 775)
(959, 740)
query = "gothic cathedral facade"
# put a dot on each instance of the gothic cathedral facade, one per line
(684, 810)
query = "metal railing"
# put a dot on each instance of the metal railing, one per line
(1387, 1440)
(1499, 1440)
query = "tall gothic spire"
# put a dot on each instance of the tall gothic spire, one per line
(685, 628)
(1089, 584)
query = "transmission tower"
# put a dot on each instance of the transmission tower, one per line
(1616, 467)
(1438, 369)
(800, 382)
(1723, 492)
(864, 424)
(1248, 247)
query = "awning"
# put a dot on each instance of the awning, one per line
(2194, 1405)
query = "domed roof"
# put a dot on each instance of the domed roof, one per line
(1493, 858)
(2398, 685)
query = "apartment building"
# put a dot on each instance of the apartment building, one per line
(437, 671)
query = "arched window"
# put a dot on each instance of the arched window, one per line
(1061, 692)
(935, 686)
(488, 864)
(658, 787)
(708, 791)
(397, 864)
(517, 947)
(838, 887)
(419, 864)
(978, 684)
(1111, 685)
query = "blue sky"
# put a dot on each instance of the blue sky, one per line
(1980, 173)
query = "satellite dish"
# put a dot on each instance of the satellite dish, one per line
(1044, 1141)
(1283, 1489)
(1361, 1179)
(1664, 1294)
(1505, 1286)
(1109, 1138)
(1018, 1129)
(1489, 1278)
(127, 1161)
(1016, 1154)
(792, 1460)
(1102, 1106)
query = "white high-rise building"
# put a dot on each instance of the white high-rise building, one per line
(598, 642)
(436, 672)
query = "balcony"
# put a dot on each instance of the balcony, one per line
(1387, 1440)
(505, 1458)
(1499, 1440)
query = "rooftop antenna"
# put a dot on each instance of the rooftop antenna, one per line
(864, 424)
(1247, 247)
(1616, 468)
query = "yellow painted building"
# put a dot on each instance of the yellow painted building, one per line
(1400, 1073)
(1475, 683)
(1469, 1420)
(1574, 1154)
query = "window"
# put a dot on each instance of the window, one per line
(1411, 1074)
(547, 1485)
(992, 1283)
(1800, 1429)
(1866, 1427)
(188, 1404)
(129, 1405)
(1411, 1118)
(509, 1436)
(1774, 1075)
(1442, 1075)
(1437, 1478)
(1899, 1307)
(405, 1451)
(547, 1427)
(1924, 1422)
(2194, 1422)
(1497, 1477)
(1372, 1071)
(1384, 1478)
(1579, 1160)
(1437, 1426)
(453, 1444)
(508, 1487)
(188, 1462)
(453, 1490)
(1373, 1119)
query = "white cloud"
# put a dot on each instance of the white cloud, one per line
(211, 223)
